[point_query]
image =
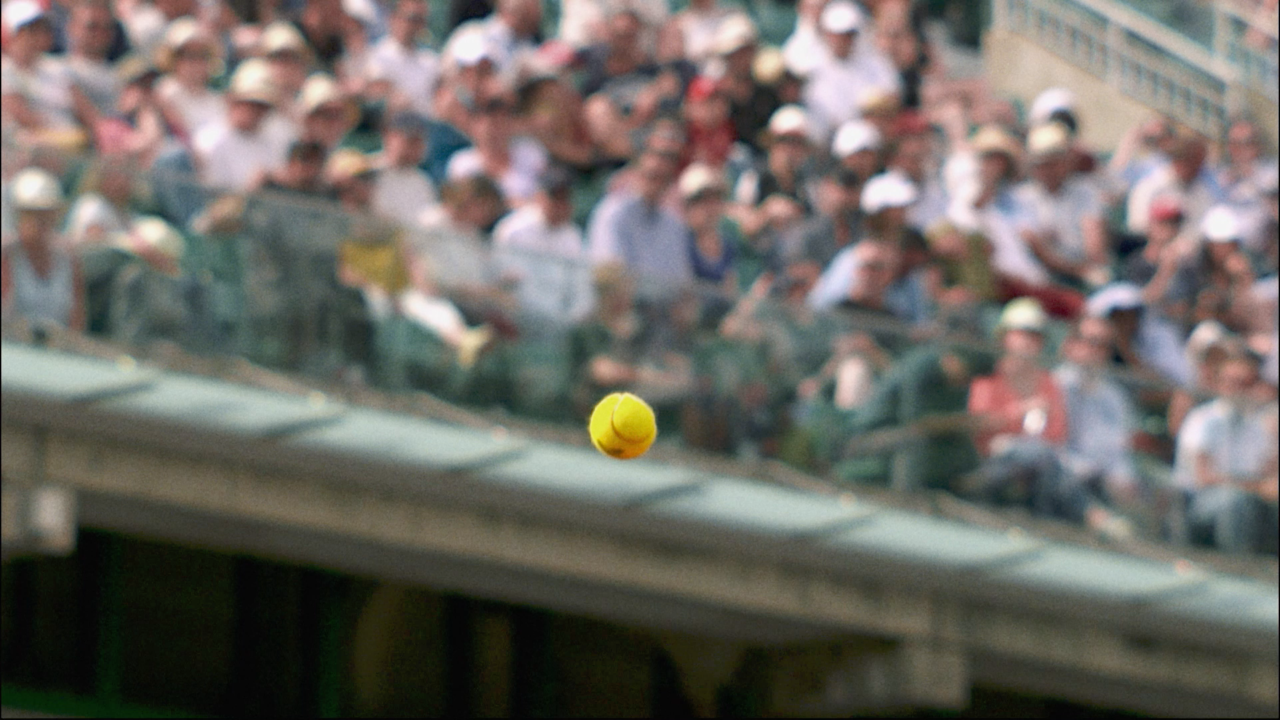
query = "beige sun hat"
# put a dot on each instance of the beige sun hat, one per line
(252, 81)
(281, 36)
(180, 33)
(322, 89)
(150, 235)
(36, 189)
(699, 178)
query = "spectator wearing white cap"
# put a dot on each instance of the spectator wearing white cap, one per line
(325, 113)
(148, 297)
(1145, 342)
(510, 32)
(885, 201)
(1059, 105)
(751, 102)
(39, 92)
(1244, 176)
(189, 58)
(400, 59)
(712, 253)
(469, 74)
(856, 146)
(40, 280)
(847, 66)
(236, 151)
(777, 192)
(1070, 234)
(289, 58)
(582, 22)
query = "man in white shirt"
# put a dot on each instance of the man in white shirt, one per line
(846, 67)
(234, 153)
(1231, 453)
(402, 189)
(1184, 177)
(511, 31)
(397, 58)
(540, 249)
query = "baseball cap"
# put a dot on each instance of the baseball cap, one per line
(840, 16)
(1023, 313)
(734, 33)
(1047, 140)
(471, 48)
(887, 190)
(1166, 208)
(789, 120)
(1056, 99)
(35, 189)
(1221, 224)
(18, 14)
(699, 178)
(855, 136)
(1114, 297)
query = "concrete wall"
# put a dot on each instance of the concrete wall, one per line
(1018, 68)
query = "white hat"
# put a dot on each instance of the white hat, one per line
(17, 14)
(35, 189)
(179, 33)
(887, 190)
(1206, 335)
(1049, 102)
(320, 89)
(281, 36)
(698, 178)
(855, 136)
(153, 234)
(470, 47)
(252, 81)
(789, 120)
(1047, 140)
(1023, 313)
(734, 33)
(1221, 224)
(1116, 296)
(841, 16)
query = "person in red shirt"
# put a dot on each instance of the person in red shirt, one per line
(1022, 427)
(708, 124)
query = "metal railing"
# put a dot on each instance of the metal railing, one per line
(1146, 60)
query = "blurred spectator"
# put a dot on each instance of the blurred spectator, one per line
(1244, 177)
(289, 60)
(751, 101)
(816, 243)
(402, 189)
(1145, 343)
(1008, 223)
(1232, 476)
(352, 173)
(544, 254)
(513, 162)
(1144, 148)
(302, 173)
(1206, 349)
(39, 91)
(1216, 280)
(857, 146)
(469, 76)
(145, 22)
(400, 60)
(149, 298)
(1184, 177)
(1161, 259)
(913, 156)
(188, 57)
(699, 23)
(105, 206)
(963, 261)
(236, 150)
(1100, 416)
(583, 22)
(1059, 105)
(327, 115)
(91, 34)
(511, 31)
(1024, 427)
(42, 284)
(324, 26)
(900, 34)
(785, 174)
(650, 242)
(707, 124)
(846, 65)
(712, 252)
(551, 109)
(880, 107)
(136, 126)
(1070, 235)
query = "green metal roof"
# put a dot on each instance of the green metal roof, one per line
(663, 499)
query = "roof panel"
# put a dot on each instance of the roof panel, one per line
(753, 506)
(587, 475)
(64, 377)
(930, 540)
(386, 437)
(220, 406)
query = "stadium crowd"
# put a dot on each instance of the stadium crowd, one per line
(784, 247)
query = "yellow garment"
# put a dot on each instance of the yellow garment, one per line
(377, 258)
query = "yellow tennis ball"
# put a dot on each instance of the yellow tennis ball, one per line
(623, 426)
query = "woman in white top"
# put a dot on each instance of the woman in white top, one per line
(40, 280)
(38, 91)
(189, 58)
(103, 207)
